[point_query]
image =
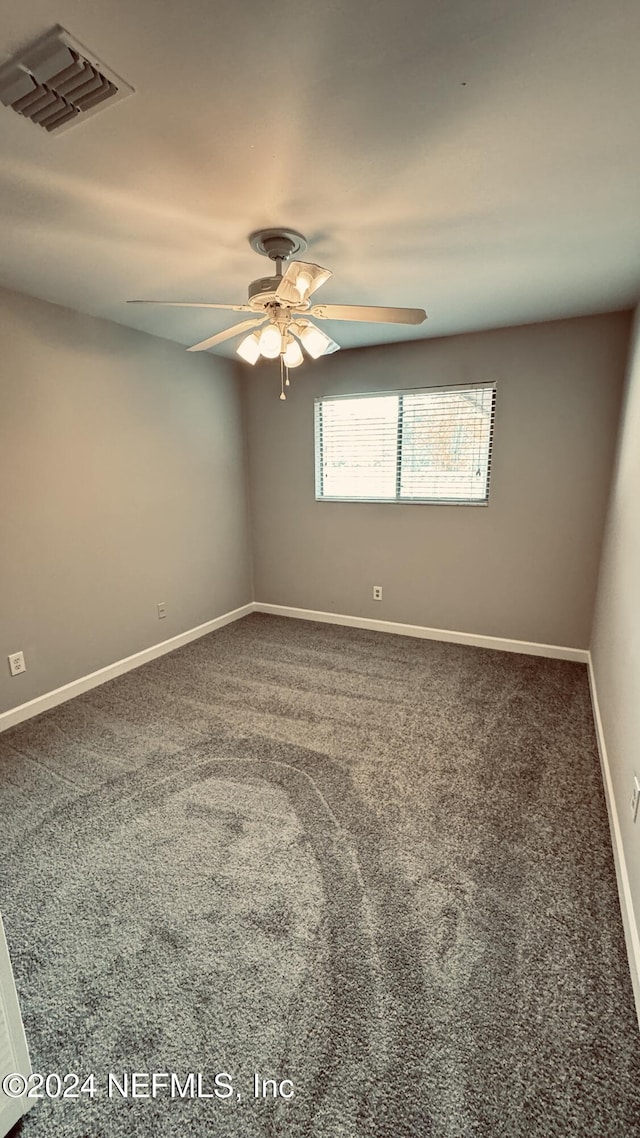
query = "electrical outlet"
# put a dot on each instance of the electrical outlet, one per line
(635, 798)
(162, 611)
(377, 592)
(17, 664)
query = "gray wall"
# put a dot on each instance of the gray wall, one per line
(122, 484)
(525, 567)
(615, 648)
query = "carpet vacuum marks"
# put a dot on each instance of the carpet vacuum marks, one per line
(248, 897)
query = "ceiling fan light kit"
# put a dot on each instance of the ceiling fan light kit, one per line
(281, 309)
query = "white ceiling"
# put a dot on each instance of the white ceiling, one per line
(478, 158)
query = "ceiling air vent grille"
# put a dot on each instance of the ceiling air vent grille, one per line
(56, 83)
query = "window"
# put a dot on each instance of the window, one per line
(432, 445)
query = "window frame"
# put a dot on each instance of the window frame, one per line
(400, 393)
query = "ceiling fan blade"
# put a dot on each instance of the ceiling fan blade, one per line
(300, 280)
(371, 314)
(195, 304)
(228, 334)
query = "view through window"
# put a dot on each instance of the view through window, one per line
(431, 445)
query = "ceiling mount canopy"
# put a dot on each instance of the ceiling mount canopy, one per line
(280, 306)
(277, 244)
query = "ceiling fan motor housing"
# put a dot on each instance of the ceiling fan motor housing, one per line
(263, 291)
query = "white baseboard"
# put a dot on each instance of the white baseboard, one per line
(94, 679)
(528, 648)
(76, 687)
(629, 922)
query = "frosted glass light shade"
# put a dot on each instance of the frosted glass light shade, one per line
(300, 281)
(293, 356)
(270, 342)
(302, 284)
(316, 342)
(249, 348)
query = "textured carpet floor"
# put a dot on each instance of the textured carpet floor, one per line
(376, 866)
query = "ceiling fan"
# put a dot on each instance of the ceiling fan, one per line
(280, 325)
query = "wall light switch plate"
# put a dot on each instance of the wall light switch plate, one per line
(635, 798)
(162, 611)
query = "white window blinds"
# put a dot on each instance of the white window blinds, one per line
(432, 445)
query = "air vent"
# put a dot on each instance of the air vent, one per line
(57, 83)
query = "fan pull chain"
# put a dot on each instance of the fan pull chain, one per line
(282, 394)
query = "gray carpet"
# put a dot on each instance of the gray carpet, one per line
(376, 866)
